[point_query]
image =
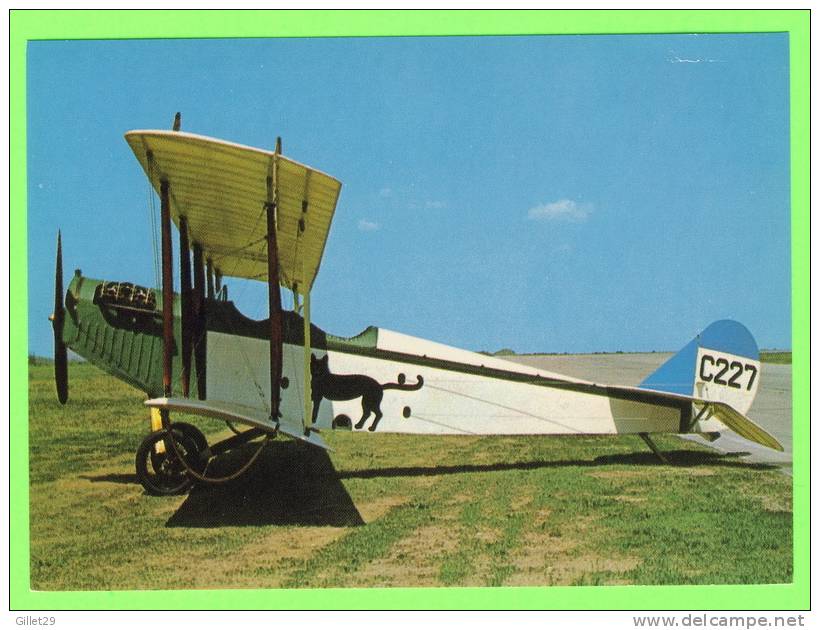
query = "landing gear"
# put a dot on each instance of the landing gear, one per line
(192, 432)
(169, 461)
(159, 468)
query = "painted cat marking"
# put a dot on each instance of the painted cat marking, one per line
(325, 384)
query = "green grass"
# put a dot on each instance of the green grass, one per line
(776, 356)
(389, 510)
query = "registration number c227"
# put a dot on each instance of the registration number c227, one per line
(726, 372)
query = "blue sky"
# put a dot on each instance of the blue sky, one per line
(551, 193)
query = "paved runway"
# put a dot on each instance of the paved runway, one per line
(772, 408)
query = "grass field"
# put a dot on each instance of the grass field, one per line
(387, 510)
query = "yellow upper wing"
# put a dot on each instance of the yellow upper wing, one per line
(222, 188)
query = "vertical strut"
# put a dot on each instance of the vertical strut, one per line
(199, 320)
(167, 289)
(187, 304)
(308, 392)
(210, 274)
(274, 296)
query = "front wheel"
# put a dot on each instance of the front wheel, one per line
(159, 468)
(192, 432)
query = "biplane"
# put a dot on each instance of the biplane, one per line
(243, 212)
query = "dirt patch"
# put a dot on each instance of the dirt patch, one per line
(264, 562)
(776, 504)
(539, 548)
(521, 501)
(487, 536)
(414, 560)
(297, 542)
(562, 570)
(541, 516)
(373, 510)
(270, 560)
(460, 499)
(481, 570)
(550, 555)
(595, 563)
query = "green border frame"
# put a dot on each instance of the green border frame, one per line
(53, 24)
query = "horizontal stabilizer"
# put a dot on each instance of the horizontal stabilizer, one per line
(744, 427)
(724, 412)
(232, 412)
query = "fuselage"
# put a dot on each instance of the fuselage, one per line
(423, 386)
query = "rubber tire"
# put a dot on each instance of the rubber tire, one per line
(189, 430)
(167, 475)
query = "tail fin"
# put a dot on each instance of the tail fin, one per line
(721, 364)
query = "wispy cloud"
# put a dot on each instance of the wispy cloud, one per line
(561, 210)
(435, 205)
(368, 226)
(677, 59)
(385, 192)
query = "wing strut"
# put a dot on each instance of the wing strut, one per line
(186, 303)
(198, 317)
(167, 288)
(274, 297)
(308, 422)
(209, 272)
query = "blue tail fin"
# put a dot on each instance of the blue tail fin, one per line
(721, 364)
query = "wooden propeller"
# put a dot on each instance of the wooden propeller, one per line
(57, 321)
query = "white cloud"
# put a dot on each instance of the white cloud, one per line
(385, 192)
(368, 226)
(561, 210)
(435, 205)
(682, 60)
(678, 59)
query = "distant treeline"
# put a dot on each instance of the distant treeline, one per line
(776, 356)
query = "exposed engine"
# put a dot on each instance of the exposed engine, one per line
(125, 295)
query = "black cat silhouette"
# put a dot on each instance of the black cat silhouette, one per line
(324, 384)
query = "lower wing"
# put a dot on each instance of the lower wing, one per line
(243, 414)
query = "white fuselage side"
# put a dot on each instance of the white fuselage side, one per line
(449, 402)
